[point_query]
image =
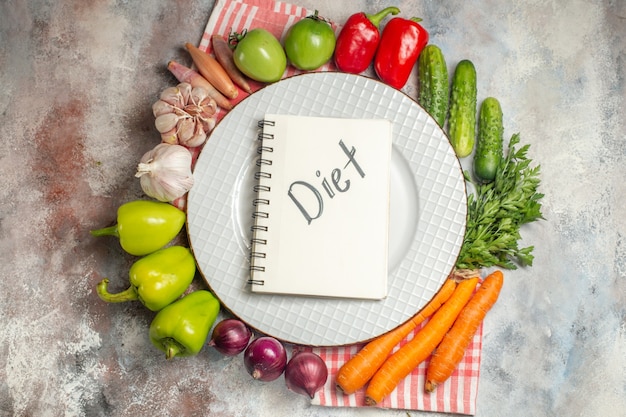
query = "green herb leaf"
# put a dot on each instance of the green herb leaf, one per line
(498, 209)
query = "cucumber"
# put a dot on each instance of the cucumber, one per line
(462, 121)
(489, 141)
(434, 87)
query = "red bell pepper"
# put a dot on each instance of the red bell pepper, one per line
(401, 43)
(358, 40)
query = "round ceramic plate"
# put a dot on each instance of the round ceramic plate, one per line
(427, 202)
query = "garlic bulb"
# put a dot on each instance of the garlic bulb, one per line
(165, 172)
(184, 115)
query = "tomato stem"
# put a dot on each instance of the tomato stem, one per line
(318, 18)
(234, 38)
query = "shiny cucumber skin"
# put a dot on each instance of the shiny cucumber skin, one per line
(489, 142)
(462, 120)
(434, 87)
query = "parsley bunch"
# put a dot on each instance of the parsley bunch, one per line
(498, 209)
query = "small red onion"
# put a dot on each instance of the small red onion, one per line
(265, 358)
(230, 337)
(306, 373)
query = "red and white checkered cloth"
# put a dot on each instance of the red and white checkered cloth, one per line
(458, 394)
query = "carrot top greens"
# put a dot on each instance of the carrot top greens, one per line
(498, 209)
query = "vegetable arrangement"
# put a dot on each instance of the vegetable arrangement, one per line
(182, 323)
(506, 197)
(162, 276)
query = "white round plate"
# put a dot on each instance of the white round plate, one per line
(427, 221)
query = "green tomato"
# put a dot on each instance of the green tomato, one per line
(310, 43)
(260, 56)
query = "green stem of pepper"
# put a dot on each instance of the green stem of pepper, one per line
(127, 295)
(378, 17)
(171, 347)
(106, 231)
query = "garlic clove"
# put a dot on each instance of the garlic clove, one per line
(173, 96)
(170, 137)
(211, 124)
(185, 91)
(208, 124)
(206, 114)
(199, 136)
(208, 108)
(192, 109)
(161, 107)
(186, 128)
(198, 95)
(166, 122)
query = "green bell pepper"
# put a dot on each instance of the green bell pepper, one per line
(156, 279)
(145, 226)
(181, 328)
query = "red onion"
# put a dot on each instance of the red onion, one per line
(265, 358)
(306, 373)
(230, 337)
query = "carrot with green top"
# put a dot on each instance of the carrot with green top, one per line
(355, 373)
(417, 350)
(452, 348)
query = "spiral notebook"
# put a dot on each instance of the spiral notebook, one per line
(321, 207)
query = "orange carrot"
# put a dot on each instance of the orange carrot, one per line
(212, 71)
(355, 373)
(187, 75)
(224, 56)
(402, 362)
(452, 348)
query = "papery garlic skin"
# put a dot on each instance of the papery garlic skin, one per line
(184, 115)
(165, 172)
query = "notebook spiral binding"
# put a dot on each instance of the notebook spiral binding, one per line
(260, 203)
